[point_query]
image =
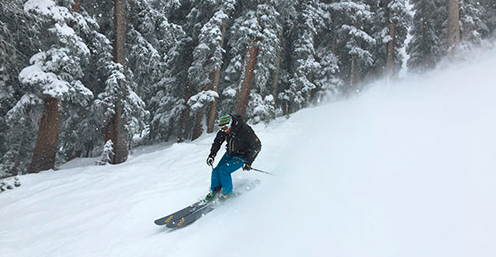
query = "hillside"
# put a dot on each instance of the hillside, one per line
(405, 168)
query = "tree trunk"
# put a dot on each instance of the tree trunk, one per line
(115, 132)
(355, 69)
(115, 128)
(76, 6)
(120, 30)
(353, 73)
(45, 150)
(46, 144)
(425, 48)
(183, 121)
(18, 158)
(390, 64)
(198, 128)
(215, 84)
(453, 26)
(211, 115)
(275, 78)
(251, 61)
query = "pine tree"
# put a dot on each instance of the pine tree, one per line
(261, 103)
(328, 79)
(19, 40)
(83, 130)
(55, 76)
(243, 38)
(122, 108)
(117, 86)
(287, 36)
(254, 46)
(22, 122)
(83, 127)
(355, 41)
(192, 121)
(186, 61)
(304, 63)
(390, 28)
(176, 93)
(5, 96)
(108, 152)
(473, 25)
(490, 15)
(157, 60)
(426, 47)
(453, 26)
(204, 72)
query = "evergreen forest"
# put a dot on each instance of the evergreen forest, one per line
(98, 78)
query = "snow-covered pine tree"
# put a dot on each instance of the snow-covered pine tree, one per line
(288, 20)
(108, 151)
(453, 26)
(250, 62)
(156, 57)
(22, 124)
(5, 95)
(227, 9)
(120, 96)
(355, 45)
(145, 55)
(490, 15)
(167, 104)
(151, 36)
(426, 46)
(243, 38)
(261, 105)
(327, 78)
(19, 40)
(156, 61)
(204, 73)
(304, 67)
(54, 75)
(171, 117)
(390, 25)
(199, 12)
(118, 85)
(81, 133)
(83, 128)
(473, 25)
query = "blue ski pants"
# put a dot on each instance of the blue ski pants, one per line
(221, 174)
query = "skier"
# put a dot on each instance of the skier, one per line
(242, 146)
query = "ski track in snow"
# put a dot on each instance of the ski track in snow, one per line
(405, 168)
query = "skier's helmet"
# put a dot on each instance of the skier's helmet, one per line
(225, 122)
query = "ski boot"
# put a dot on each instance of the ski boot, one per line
(223, 197)
(212, 194)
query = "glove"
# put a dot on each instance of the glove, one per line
(246, 166)
(210, 160)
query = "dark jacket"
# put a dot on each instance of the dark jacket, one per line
(241, 141)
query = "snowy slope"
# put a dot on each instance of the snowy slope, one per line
(404, 169)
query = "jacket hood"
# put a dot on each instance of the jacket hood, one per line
(238, 121)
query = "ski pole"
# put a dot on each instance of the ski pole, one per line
(266, 172)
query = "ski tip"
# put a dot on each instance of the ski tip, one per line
(164, 221)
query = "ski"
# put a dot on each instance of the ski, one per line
(192, 217)
(195, 211)
(181, 213)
